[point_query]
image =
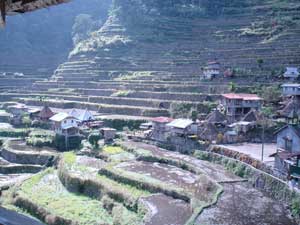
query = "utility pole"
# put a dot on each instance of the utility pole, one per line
(263, 140)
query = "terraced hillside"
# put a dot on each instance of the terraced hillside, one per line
(137, 183)
(149, 64)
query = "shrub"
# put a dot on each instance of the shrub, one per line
(296, 207)
(41, 138)
(26, 121)
(13, 132)
(94, 138)
(119, 124)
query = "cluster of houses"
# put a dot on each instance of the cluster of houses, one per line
(287, 156)
(238, 113)
(67, 124)
(214, 70)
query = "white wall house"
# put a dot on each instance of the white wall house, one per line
(64, 124)
(291, 73)
(291, 89)
(212, 70)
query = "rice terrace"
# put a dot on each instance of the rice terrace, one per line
(136, 112)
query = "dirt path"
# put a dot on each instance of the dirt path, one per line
(165, 210)
(240, 204)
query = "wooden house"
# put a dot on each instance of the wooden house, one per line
(216, 117)
(288, 149)
(45, 114)
(108, 133)
(238, 105)
(64, 124)
(208, 132)
(160, 128)
(291, 111)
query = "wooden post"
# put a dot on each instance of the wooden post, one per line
(3, 11)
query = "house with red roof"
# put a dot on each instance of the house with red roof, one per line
(237, 105)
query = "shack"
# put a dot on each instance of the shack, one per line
(288, 151)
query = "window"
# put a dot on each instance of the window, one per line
(65, 121)
(288, 144)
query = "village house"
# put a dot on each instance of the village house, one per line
(291, 111)
(248, 122)
(17, 112)
(291, 89)
(238, 105)
(217, 118)
(64, 124)
(287, 157)
(18, 109)
(291, 73)
(160, 128)
(82, 115)
(108, 133)
(146, 126)
(183, 127)
(45, 114)
(33, 113)
(211, 70)
(208, 132)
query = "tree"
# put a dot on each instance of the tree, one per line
(94, 138)
(194, 114)
(260, 63)
(232, 87)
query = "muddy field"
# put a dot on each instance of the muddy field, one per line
(241, 204)
(166, 210)
(214, 171)
(198, 185)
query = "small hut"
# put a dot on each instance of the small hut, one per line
(209, 132)
(291, 111)
(252, 116)
(45, 114)
(216, 117)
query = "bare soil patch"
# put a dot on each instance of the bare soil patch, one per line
(164, 210)
(240, 204)
(214, 171)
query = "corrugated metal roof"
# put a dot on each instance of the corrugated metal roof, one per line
(60, 117)
(180, 123)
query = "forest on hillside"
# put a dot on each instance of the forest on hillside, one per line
(46, 36)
